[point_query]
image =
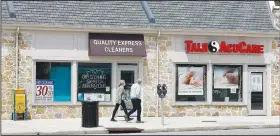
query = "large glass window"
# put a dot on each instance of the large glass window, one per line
(53, 82)
(227, 83)
(191, 83)
(94, 81)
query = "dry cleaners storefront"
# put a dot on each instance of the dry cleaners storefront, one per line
(87, 72)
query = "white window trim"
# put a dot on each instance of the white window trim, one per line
(186, 103)
(74, 74)
(209, 101)
(244, 86)
(113, 82)
(34, 89)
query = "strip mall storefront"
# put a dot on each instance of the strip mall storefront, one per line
(60, 73)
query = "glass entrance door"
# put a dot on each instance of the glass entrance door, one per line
(257, 92)
(129, 75)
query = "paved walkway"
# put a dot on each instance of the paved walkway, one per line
(73, 126)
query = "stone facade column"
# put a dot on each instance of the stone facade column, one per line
(275, 81)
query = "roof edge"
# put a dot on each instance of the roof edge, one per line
(154, 31)
(271, 5)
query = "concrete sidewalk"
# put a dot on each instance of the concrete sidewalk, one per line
(152, 124)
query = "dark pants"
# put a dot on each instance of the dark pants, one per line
(136, 103)
(117, 107)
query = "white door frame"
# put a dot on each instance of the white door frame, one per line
(136, 76)
(265, 91)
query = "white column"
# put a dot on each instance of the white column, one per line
(268, 91)
(140, 73)
(33, 86)
(209, 82)
(114, 81)
(74, 82)
(245, 84)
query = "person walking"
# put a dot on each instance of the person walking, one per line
(135, 94)
(120, 101)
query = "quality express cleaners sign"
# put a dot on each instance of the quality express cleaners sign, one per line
(104, 44)
(223, 47)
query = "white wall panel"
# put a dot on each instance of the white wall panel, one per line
(54, 40)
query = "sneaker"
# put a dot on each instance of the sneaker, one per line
(113, 120)
(129, 119)
(125, 117)
(139, 121)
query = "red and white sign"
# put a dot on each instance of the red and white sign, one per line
(223, 47)
(44, 91)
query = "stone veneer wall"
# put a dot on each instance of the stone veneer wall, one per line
(275, 76)
(25, 78)
(149, 83)
(165, 72)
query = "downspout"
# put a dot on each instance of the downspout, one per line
(158, 35)
(11, 9)
(152, 21)
(148, 12)
(17, 67)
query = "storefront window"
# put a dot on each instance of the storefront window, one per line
(53, 82)
(94, 81)
(191, 83)
(227, 83)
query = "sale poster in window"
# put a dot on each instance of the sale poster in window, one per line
(45, 91)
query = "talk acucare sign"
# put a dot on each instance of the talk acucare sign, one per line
(104, 44)
(223, 47)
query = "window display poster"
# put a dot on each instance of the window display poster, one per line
(190, 80)
(107, 97)
(232, 90)
(107, 88)
(94, 97)
(94, 77)
(44, 91)
(256, 82)
(226, 99)
(226, 77)
(80, 96)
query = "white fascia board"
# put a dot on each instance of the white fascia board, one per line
(153, 31)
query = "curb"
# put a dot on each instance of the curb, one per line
(75, 132)
(209, 128)
(25, 133)
(62, 132)
(105, 131)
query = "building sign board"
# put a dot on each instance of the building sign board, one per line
(103, 44)
(223, 47)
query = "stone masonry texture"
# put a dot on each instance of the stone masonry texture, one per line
(165, 66)
(149, 108)
(275, 81)
(275, 76)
